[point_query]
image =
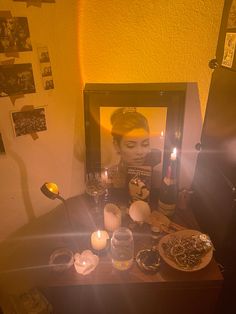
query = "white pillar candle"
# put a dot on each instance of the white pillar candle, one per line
(99, 240)
(112, 217)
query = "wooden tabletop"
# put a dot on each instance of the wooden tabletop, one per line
(25, 255)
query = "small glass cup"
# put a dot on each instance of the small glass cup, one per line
(122, 248)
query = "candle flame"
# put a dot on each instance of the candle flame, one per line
(99, 234)
(174, 150)
(162, 133)
(84, 263)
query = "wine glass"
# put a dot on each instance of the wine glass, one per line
(95, 187)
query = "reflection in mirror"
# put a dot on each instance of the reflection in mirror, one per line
(133, 136)
(131, 131)
(156, 124)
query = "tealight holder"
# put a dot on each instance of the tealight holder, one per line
(85, 262)
(100, 242)
(61, 259)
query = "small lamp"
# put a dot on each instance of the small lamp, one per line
(51, 190)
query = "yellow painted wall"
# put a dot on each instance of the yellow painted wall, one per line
(149, 41)
(94, 41)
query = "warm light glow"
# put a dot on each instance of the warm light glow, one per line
(52, 187)
(84, 263)
(174, 154)
(99, 239)
(162, 133)
(104, 176)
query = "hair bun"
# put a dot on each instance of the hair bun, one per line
(118, 113)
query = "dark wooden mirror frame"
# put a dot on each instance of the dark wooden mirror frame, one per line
(170, 95)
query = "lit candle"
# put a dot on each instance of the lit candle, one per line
(85, 262)
(99, 240)
(104, 176)
(112, 217)
(173, 154)
(162, 135)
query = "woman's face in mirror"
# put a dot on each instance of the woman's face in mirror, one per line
(134, 147)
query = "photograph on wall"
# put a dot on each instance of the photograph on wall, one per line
(16, 79)
(14, 35)
(29, 121)
(45, 68)
(229, 50)
(232, 16)
(2, 148)
(43, 54)
(132, 142)
(48, 83)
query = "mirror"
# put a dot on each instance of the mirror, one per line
(159, 108)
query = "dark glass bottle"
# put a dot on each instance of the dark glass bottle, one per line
(168, 190)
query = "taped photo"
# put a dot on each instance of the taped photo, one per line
(16, 79)
(14, 35)
(29, 121)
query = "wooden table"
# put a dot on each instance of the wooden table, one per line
(24, 264)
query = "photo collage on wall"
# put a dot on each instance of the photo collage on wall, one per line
(45, 68)
(15, 79)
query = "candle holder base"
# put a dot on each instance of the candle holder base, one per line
(102, 251)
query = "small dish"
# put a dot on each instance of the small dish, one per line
(148, 260)
(61, 259)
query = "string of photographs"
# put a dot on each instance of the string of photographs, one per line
(18, 79)
(45, 68)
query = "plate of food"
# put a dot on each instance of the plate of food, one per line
(186, 250)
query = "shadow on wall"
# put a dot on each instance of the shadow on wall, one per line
(24, 185)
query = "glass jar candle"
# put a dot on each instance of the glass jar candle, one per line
(122, 248)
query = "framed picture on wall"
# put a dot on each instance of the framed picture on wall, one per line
(29, 121)
(132, 123)
(14, 34)
(16, 79)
